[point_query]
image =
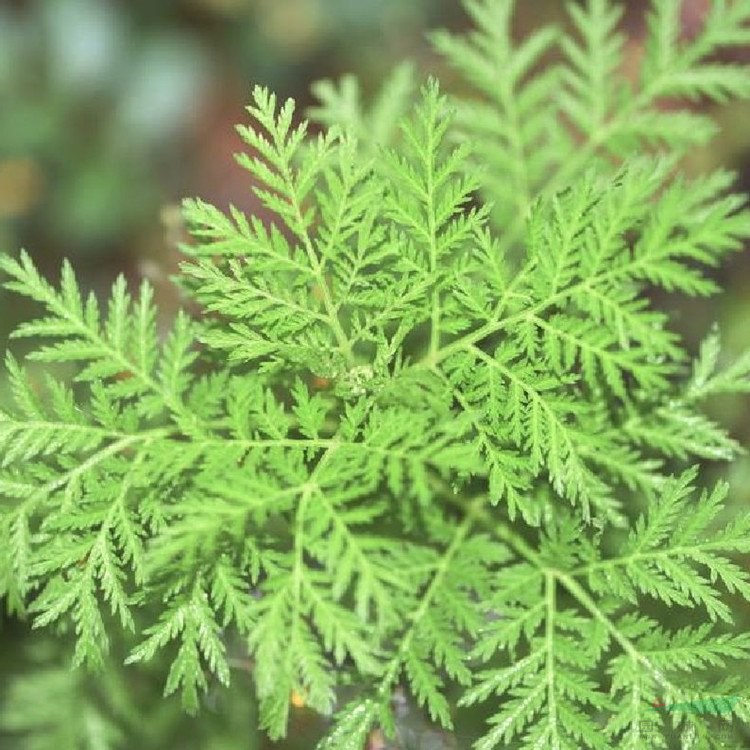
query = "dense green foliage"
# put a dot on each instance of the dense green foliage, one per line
(429, 426)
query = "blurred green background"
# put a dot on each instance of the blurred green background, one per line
(110, 113)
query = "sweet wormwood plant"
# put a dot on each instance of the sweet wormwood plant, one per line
(428, 428)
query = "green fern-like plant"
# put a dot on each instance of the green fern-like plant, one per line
(429, 428)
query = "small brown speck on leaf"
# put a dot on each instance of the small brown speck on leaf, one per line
(376, 740)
